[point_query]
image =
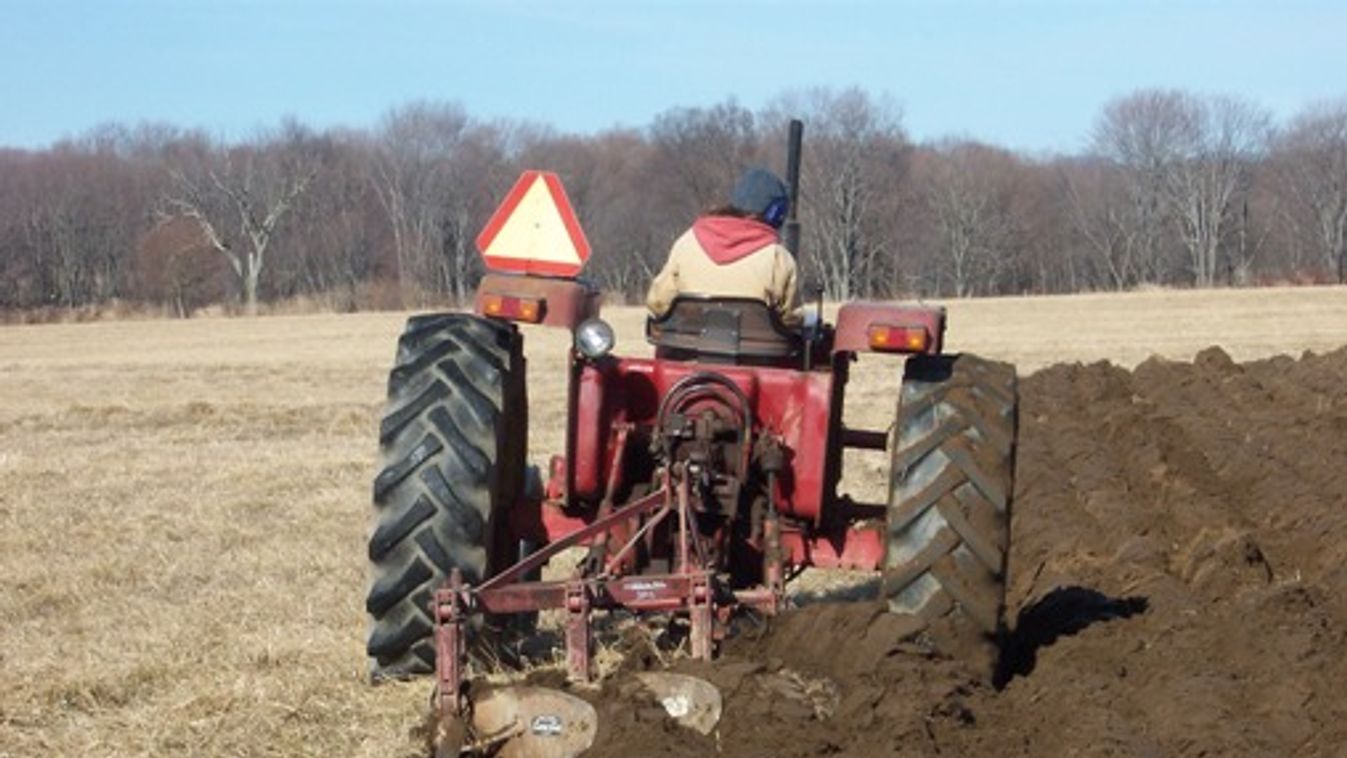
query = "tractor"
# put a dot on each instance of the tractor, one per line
(697, 483)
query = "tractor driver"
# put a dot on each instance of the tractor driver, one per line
(735, 251)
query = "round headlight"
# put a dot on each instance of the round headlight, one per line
(594, 338)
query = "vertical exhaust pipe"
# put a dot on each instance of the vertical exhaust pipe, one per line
(793, 147)
(791, 234)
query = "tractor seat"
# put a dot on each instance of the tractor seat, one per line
(723, 329)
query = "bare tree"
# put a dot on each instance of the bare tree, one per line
(699, 152)
(1096, 200)
(969, 190)
(1228, 137)
(240, 196)
(74, 216)
(177, 265)
(1186, 158)
(1310, 162)
(337, 230)
(415, 143)
(1145, 135)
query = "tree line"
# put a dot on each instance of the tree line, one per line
(1174, 189)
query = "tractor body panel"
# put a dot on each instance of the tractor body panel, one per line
(795, 406)
(537, 299)
(857, 323)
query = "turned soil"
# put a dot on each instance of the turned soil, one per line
(1178, 587)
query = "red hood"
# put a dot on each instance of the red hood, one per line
(726, 239)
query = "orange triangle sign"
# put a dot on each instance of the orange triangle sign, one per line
(535, 230)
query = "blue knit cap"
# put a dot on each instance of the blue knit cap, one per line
(761, 193)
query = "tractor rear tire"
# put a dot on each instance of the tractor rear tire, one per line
(949, 505)
(452, 442)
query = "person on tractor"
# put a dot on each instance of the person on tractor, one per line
(735, 251)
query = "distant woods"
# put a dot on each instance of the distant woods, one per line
(1174, 189)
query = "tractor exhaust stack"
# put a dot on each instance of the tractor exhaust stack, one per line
(794, 144)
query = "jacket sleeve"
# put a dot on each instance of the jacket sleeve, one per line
(785, 289)
(663, 288)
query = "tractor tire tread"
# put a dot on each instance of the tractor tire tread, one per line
(452, 441)
(952, 476)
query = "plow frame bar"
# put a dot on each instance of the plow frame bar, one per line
(691, 587)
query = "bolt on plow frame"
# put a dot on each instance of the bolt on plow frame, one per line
(696, 483)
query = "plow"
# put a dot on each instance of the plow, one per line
(696, 484)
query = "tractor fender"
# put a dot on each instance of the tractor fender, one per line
(857, 322)
(551, 301)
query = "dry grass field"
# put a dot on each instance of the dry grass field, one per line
(183, 506)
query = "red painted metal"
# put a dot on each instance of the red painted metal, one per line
(450, 645)
(857, 547)
(589, 432)
(561, 302)
(642, 592)
(854, 321)
(795, 405)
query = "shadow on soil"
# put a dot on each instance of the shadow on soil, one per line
(1061, 613)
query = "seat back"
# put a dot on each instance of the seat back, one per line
(734, 329)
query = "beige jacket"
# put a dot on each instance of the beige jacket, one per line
(767, 273)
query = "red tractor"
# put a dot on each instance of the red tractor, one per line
(700, 481)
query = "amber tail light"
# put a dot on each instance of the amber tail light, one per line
(513, 308)
(898, 339)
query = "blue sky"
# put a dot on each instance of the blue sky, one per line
(1023, 74)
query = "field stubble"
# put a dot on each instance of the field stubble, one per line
(183, 505)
